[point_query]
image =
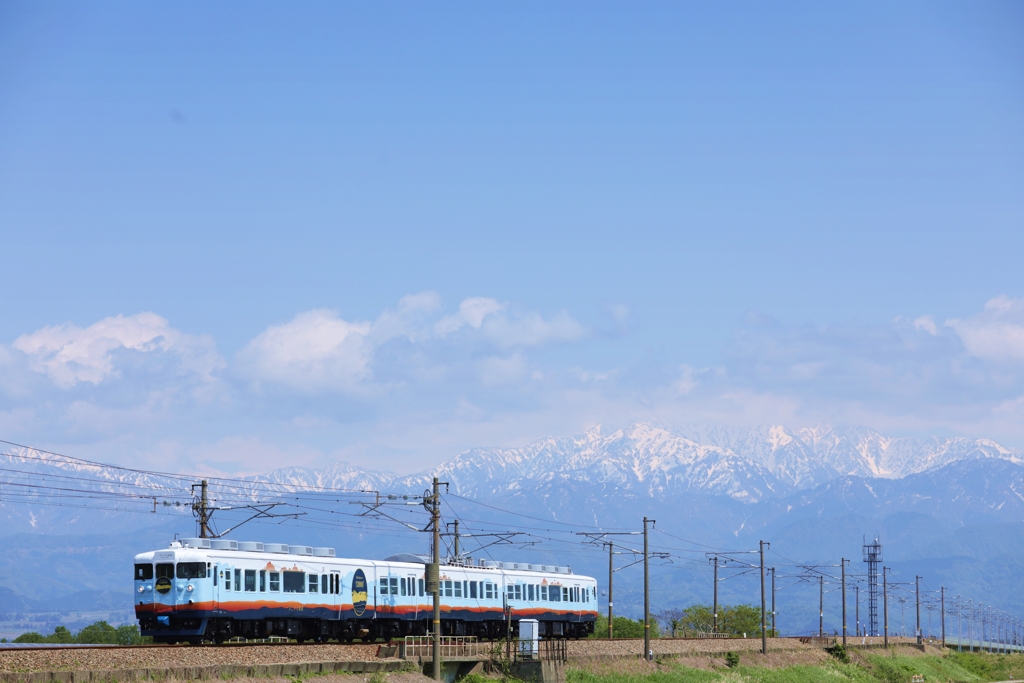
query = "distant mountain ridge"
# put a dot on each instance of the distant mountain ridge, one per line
(746, 465)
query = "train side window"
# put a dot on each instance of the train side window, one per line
(458, 589)
(165, 571)
(403, 586)
(238, 579)
(543, 592)
(565, 594)
(420, 583)
(529, 591)
(554, 594)
(448, 589)
(294, 582)
(250, 580)
(383, 586)
(314, 583)
(323, 583)
(275, 582)
(227, 580)
(215, 572)
(263, 581)
(394, 585)
(472, 589)
(143, 572)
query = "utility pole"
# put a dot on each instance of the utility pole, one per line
(764, 622)
(202, 509)
(959, 630)
(843, 562)
(856, 608)
(775, 632)
(647, 598)
(942, 615)
(981, 641)
(885, 604)
(611, 574)
(917, 593)
(821, 605)
(457, 554)
(714, 604)
(970, 624)
(434, 576)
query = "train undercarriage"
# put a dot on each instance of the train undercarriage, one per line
(193, 629)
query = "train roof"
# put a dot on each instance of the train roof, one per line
(310, 551)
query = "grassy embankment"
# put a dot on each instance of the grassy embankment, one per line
(872, 667)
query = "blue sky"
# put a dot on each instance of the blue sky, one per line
(248, 234)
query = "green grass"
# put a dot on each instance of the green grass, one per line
(871, 668)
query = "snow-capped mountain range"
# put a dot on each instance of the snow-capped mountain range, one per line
(746, 465)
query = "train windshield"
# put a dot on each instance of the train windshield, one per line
(143, 572)
(165, 571)
(191, 570)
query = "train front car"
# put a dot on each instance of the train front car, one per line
(173, 593)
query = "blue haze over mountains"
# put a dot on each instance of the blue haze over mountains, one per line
(950, 509)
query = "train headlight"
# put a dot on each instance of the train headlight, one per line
(190, 588)
(142, 589)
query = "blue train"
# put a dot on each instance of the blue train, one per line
(212, 590)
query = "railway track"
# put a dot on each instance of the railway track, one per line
(17, 647)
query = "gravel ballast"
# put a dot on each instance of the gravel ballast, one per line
(120, 659)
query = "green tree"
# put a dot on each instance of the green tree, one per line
(128, 634)
(99, 632)
(734, 620)
(623, 627)
(30, 637)
(61, 634)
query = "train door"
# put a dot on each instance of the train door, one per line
(217, 581)
(164, 593)
(389, 591)
(414, 599)
(334, 593)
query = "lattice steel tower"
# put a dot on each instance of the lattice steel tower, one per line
(873, 556)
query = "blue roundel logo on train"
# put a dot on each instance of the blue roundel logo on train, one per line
(163, 585)
(359, 592)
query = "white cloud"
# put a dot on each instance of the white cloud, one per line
(316, 350)
(69, 354)
(926, 323)
(506, 328)
(472, 312)
(531, 329)
(997, 333)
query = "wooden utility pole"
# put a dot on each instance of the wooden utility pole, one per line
(775, 632)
